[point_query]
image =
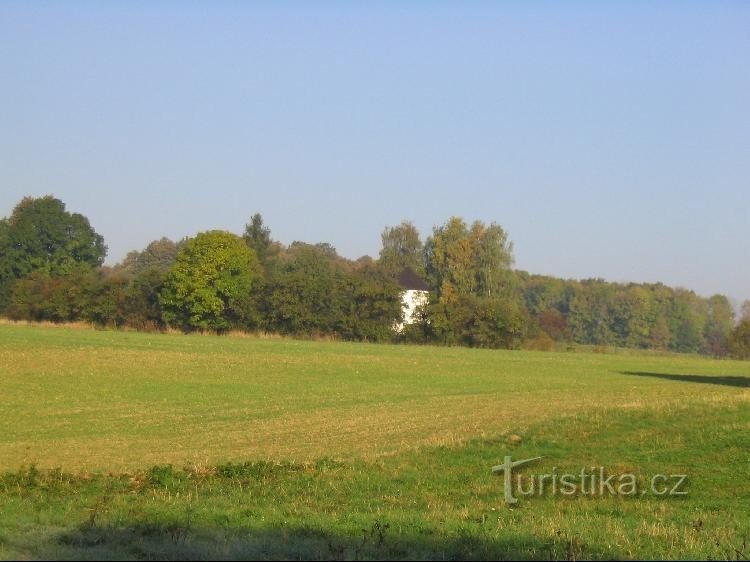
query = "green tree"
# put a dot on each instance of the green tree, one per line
(477, 322)
(6, 270)
(745, 311)
(476, 302)
(143, 309)
(401, 248)
(258, 237)
(660, 337)
(590, 316)
(372, 305)
(159, 255)
(718, 326)
(81, 294)
(687, 321)
(492, 258)
(463, 260)
(311, 290)
(41, 236)
(304, 295)
(739, 343)
(208, 283)
(631, 309)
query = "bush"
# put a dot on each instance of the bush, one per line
(540, 343)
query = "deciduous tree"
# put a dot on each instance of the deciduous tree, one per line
(211, 276)
(401, 248)
(41, 236)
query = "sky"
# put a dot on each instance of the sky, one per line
(610, 139)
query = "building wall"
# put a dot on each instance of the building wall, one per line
(411, 299)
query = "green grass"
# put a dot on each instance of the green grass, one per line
(166, 446)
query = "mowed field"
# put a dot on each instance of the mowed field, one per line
(128, 445)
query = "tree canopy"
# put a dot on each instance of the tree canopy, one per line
(41, 236)
(51, 269)
(466, 260)
(402, 248)
(209, 281)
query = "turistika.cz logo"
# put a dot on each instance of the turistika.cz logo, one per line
(589, 481)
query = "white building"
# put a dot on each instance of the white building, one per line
(415, 293)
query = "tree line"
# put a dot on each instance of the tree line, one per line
(51, 268)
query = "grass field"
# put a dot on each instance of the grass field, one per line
(127, 445)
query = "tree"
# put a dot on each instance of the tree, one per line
(402, 248)
(719, 325)
(660, 336)
(304, 295)
(739, 344)
(143, 309)
(258, 237)
(464, 261)
(553, 324)
(206, 287)
(311, 290)
(159, 255)
(492, 258)
(477, 322)
(591, 313)
(372, 306)
(745, 311)
(687, 321)
(470, 270)
(6, 270)
(631, 309)
(81, 294)
(41, 235)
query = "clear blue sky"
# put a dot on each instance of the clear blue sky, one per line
(611, 139)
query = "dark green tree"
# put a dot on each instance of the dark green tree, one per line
(304, 295)
(258, 237)
(81, 294)
(143, 308)
(41, 236)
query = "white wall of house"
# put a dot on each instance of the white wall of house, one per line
(410, 300)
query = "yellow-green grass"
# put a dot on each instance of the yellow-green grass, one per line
(99, 400)
(406, 434)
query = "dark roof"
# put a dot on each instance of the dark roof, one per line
(409, 280)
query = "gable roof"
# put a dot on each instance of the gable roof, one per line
(410, 281)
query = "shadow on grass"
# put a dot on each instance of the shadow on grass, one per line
(728, 380)
(174, 542)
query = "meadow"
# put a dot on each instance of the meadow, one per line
(128, 445)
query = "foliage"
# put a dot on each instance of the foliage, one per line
(50, 270)
(208, 282)
(258, 237)
(463, 260)
(372, 306)
(740, 340)
(401, 249)
(477, 322)
(82, 294)
(653, 316)
(143, 309)
(40, 236)
(159, 255)
(311, 290)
